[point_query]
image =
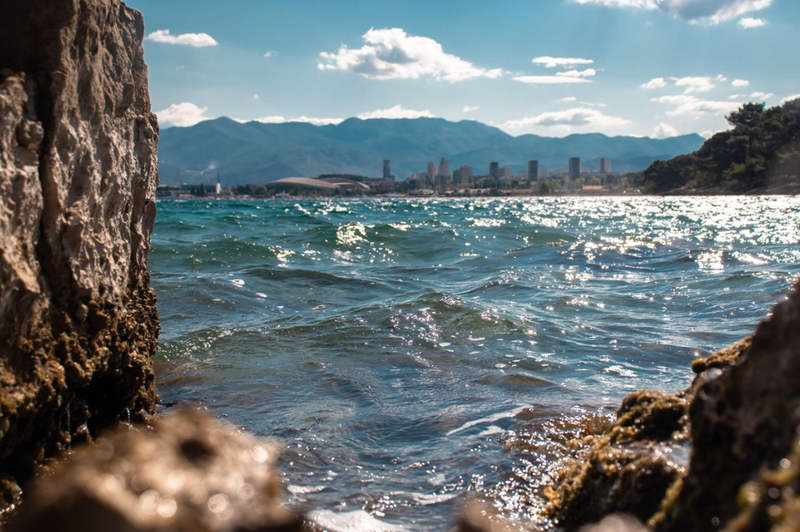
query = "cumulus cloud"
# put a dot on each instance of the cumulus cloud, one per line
(568, 99)
(688, 105)
(303, 119)
(398, 111)
(697, 11)
(549, 80)
(576, 117)
(182, 114)
(589, 72)
(740, 83)
(664, 131)
(696, 84)
(198, 40)
(762, 95)
(270, 53)
(750, 22)
(655, 83)
(393, 54)
(469, 108)
(565, 62)
(790, 98)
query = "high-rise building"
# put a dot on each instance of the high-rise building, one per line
(605, 165)
(463, 175)
(533, 170)
(431, 172)
(504, 172)
(574, 167)
(444, 167)
(387, 169)
(494, 170)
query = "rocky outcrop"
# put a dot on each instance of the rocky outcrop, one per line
(78, 171)
(741, 415)
(187, 473)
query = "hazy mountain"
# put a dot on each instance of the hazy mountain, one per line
(257, 153)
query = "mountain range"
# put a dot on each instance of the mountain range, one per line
(257, 153)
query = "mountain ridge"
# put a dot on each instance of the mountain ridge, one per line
(256, 153)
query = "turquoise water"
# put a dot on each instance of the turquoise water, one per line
(402, 348)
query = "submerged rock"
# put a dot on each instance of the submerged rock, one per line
(188, 473)
(78, 171)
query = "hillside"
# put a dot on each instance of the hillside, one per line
(760, 153)
(258, 153)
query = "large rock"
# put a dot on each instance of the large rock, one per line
(744, 422)
(187, 473)
(78, 171)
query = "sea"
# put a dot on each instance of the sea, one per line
(415, 354)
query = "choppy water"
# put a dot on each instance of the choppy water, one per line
(402, 349)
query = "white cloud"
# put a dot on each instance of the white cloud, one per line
(568, 99)
(576, 117)
(565, 62)
(398, 111)
(469, 108)
(303, 119)
(664, 131)
(696, 84)
(270, 53)
(655, 83)
(696, 11)
(198, 40)
(740, 83)
(790, 98)
(393, 54)
(182, 114)
(255, 96)
(589, 72)
(750, 22)
(762, 95)
(737, 96)
(549, 80)
(689, 105)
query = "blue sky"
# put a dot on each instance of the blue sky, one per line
(549, 67)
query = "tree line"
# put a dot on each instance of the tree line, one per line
(760, 152)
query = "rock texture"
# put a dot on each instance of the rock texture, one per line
(188, 473)
(78, 171)
(742, 418)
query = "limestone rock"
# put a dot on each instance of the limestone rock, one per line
(78, 171)
(188, 473)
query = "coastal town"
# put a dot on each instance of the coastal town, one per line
(435, 180)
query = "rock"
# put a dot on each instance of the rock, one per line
(744, 421)
(741, 419)
(628, 468)
(188, 473)
(78, 172)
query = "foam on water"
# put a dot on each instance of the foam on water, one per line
(409, 351)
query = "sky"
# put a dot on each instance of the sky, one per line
(655, 68)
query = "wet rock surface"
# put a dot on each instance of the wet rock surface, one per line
(188, 472)
(78, 171)
(628, 468)
(738, 423)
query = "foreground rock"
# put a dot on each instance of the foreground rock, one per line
(740, 420)
(78, 172)
(189, 473)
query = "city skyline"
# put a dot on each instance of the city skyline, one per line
(551, 67)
